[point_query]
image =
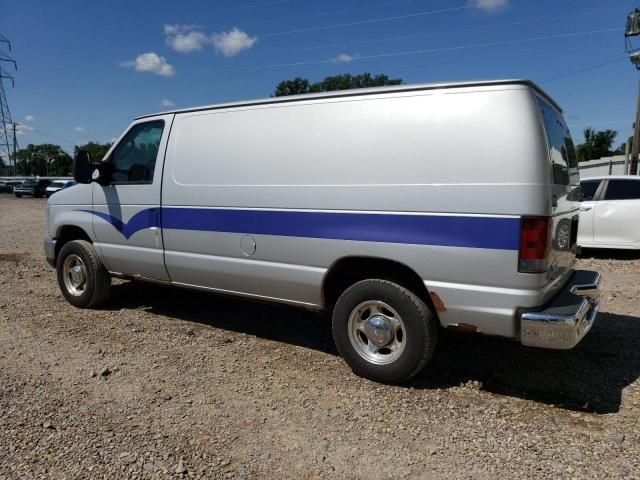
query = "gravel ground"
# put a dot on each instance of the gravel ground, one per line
(164, 382)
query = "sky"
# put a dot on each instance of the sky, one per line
(86, 69)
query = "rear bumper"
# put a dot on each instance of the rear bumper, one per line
(567, 318)
(50, 250)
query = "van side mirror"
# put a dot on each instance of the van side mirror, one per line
(82, 167)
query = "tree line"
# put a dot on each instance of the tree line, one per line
(50, 160)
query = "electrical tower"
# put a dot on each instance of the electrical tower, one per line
(8, 140)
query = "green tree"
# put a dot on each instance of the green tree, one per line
(45, 159)
(623, 147)
(597, 144)
(296, 86)
(346, 81)
(96, 150)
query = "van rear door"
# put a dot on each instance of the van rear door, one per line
(564, 190)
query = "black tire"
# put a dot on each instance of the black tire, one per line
(420, 330)
(98, 281)
(18, 195)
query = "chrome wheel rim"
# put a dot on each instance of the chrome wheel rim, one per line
(377, 332)
(563, 237)
(74, 273)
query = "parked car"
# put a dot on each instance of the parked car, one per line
(58, 185)
(31, 187)
(610, 212)
(402, 210)
(7, 186)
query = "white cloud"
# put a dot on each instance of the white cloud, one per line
(178, 28)
(232, 42)
(343, 58)
(167, 103)
(150, 62)
(78, 129)
(29, 118)
(23, 129)
(184, 38)
(489, 5)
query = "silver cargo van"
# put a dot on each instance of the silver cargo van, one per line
(402, 210)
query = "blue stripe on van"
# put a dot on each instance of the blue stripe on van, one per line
(146, 218)
(446, 230)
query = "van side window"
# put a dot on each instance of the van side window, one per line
(589, 189)
(623, 190)
(134, 159)
(562, 153)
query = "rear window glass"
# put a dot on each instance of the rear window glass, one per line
(588, 189)
(562, 153)
(623, 190)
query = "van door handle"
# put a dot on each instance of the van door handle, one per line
(585, 209)
(554, 201)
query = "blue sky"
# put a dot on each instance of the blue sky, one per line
(87, 68)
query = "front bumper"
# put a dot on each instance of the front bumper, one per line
(50, 250)
(567, 319)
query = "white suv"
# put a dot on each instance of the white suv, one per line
(610, 212)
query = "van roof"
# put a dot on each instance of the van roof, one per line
(366, 91)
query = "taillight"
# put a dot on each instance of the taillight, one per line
(534, 244)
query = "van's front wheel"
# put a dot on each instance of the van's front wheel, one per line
(82, 278)
(384, 331)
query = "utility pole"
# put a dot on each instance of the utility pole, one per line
(633, 30)
(635, 143)
(8, 140)
(15, 151)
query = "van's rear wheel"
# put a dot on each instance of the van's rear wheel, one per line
(384, 331)
(82, 278)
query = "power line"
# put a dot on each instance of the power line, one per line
(519, 56)
(414, 52)
(37, 131)
(145, 81)
(351, 24)
(367, 21)
(426, 51)
(410, 15)
(353, 9)
(254, 5)
(585, 69)
(453, 31)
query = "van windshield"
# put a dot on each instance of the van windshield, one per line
(562, 153)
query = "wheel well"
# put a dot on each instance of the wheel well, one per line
(347, 271)
(69, 233)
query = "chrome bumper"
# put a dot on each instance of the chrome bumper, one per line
(50, 250)
(569, 316)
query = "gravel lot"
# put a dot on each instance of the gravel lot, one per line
(163, 382)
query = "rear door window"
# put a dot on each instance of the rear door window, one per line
(589, 188)
(619, 189)
(562, 153)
